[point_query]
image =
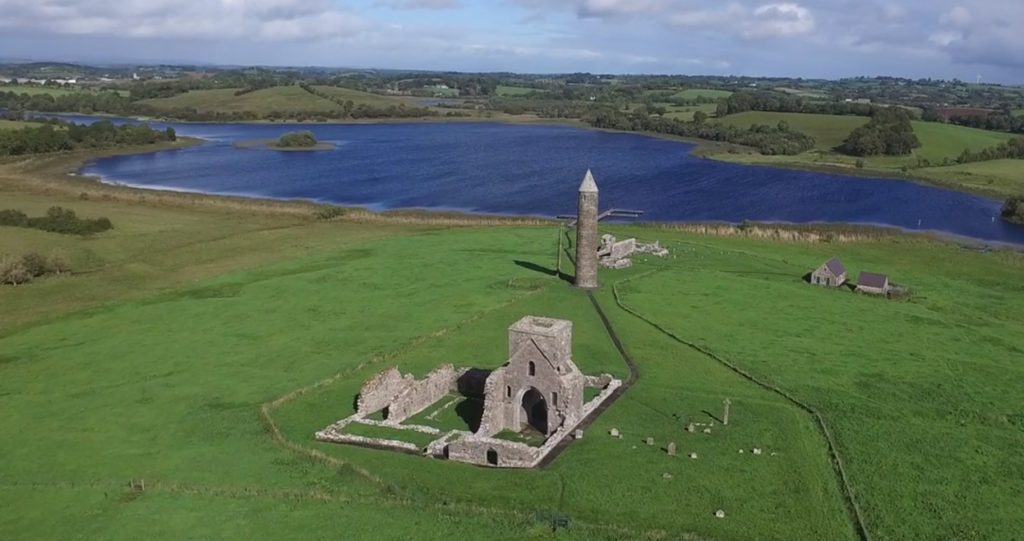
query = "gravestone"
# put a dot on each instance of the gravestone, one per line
(650, 440)
(671, 449)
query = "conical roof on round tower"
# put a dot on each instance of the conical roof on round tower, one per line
(588, 185)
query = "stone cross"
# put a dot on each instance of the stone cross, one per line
(725, 414)
(671, 449)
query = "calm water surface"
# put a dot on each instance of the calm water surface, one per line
(515, 169)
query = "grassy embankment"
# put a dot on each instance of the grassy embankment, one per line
(938, 142)
(198, 318)
(17, 124)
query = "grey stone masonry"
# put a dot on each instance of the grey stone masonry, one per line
(586, 234)
(539, 388)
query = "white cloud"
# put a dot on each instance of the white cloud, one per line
(205, 19)
(420, 4)
(760, 22)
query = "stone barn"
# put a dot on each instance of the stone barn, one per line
(831, 273)
(539, 387)
(873, 284)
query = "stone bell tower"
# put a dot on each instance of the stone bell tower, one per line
(586, 234)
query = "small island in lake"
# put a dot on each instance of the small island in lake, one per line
(291, 141)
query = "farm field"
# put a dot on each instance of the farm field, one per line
(829, 131)
(37, 89)
(694, 93)
(278, 98)
(685, 112)
(359, 97)
(1003, 176)
(938, 142)
(17, 124)
(504, 90)
(199, 351)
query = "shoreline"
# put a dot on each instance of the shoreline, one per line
(62, 173)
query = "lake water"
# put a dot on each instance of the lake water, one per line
(535, 170)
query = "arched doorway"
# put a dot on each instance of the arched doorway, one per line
(535, 410)
(492, 457)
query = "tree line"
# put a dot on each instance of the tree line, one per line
(1012, 149)
(769, 140)
(781, 102)
(60, 136)
(56, 220)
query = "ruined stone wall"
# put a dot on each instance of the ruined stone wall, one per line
(379, 391)
(507, 454)
(418, 395)
(494, 418)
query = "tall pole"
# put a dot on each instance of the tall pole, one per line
(586, 234)
(558, 261)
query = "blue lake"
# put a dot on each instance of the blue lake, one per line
(528, 169)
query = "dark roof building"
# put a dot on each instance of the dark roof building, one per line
(870, 282)
(831, 274)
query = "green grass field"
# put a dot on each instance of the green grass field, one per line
(37, 89)
(829, 131)
(278, 98)
(504, 90)
(938, 142)
(17, 124)
(1001, 176)
(685, 113)
(200, 349)
(694, 93)
(359, 97)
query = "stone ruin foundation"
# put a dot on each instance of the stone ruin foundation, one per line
(539, 387)
(616, 254)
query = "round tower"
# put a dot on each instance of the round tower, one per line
(586, 234)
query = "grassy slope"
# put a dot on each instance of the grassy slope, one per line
(828, 131)
(504, 90)
(1002, 175)
(694, 93)
(33, 90)
(278, 98)
(359, 97)
(921, 395)
(938, 141)
(167, 387)
(17, 124)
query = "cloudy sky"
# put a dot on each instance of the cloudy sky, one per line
(810, 38)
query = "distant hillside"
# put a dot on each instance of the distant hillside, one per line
(227, 100)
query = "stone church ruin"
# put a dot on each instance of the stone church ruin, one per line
(539, 390)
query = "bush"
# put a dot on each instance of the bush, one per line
(13, 271)
(327, 213)
(14, 218)
(57, 264)
(57, 220)
(35, 263)
(1013, 210)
